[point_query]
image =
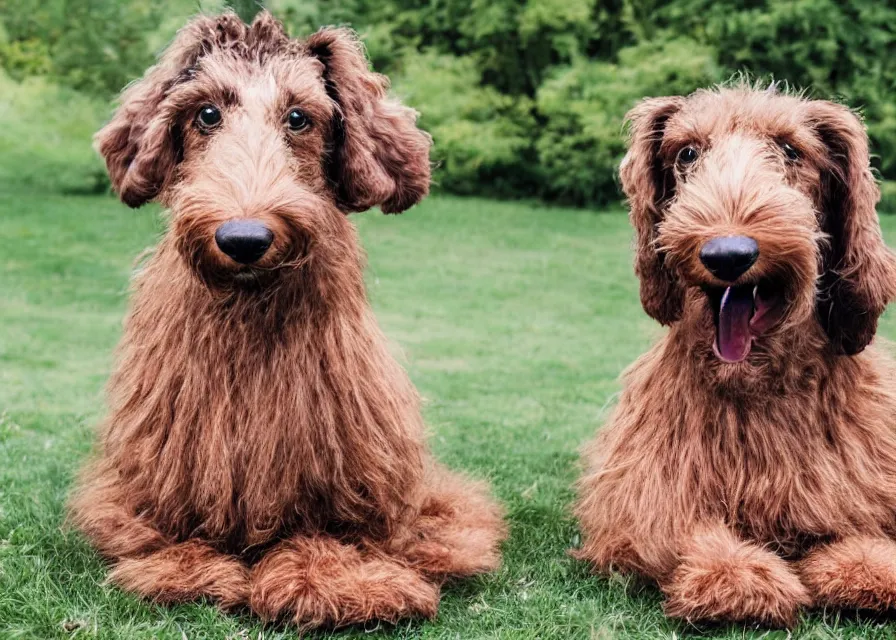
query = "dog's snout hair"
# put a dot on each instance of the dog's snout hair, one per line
(733, 182)
(248, 160)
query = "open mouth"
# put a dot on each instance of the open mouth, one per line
(742, 314)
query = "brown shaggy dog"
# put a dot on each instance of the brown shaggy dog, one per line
(263, 448)
(750, 466)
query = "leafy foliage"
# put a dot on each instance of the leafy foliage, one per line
(523, 97)
(583, 105)
(45, 137)
(483, 138)
(95, 46)
(836, 48)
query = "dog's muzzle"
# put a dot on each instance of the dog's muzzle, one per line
(245, 241)
(742, 312)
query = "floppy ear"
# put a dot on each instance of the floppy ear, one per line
(379, 156)
(141, 144)
(859, 271)
(648, 186)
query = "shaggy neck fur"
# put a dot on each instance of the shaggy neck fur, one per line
(285, 408)
(768, 459)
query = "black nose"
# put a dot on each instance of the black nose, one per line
(730, 257)
(244, 240)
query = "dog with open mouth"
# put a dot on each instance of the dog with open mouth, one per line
(749, 468)
(263, 447)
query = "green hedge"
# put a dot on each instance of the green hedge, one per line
(582, 106)
(483, 138)
(523, 97)
(45, 135)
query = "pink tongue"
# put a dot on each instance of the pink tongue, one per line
(734, 340)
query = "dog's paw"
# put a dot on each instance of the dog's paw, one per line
(333, 586)
(182, 573)
(856, 573)
(723, 579)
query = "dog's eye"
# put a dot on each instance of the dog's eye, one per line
(208, 118)
(792, 154)
(296, 120)
(687, 156)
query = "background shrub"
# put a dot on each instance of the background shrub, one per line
(524, 98)
(483, 139)
(45, 137)
(95, 46)
(583, 104)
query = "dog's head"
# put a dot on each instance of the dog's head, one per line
(765, 204)
(259, 144)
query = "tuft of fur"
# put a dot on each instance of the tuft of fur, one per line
(859, 573)
(722, 578)
(262, 446)
(792, 450)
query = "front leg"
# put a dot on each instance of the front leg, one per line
(853, 573)
(726, 579)
(183, 572)
(320, 581)
(148, 563)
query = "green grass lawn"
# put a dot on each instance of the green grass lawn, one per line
(513, 320)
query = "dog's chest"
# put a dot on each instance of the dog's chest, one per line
(809, 476)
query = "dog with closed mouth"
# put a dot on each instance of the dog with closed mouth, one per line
(749, 468)
(263, 448)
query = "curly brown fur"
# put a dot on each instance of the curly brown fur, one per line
(789, 446)
(856, 572)
(255, 410)
(722, 578)
(320, 581)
